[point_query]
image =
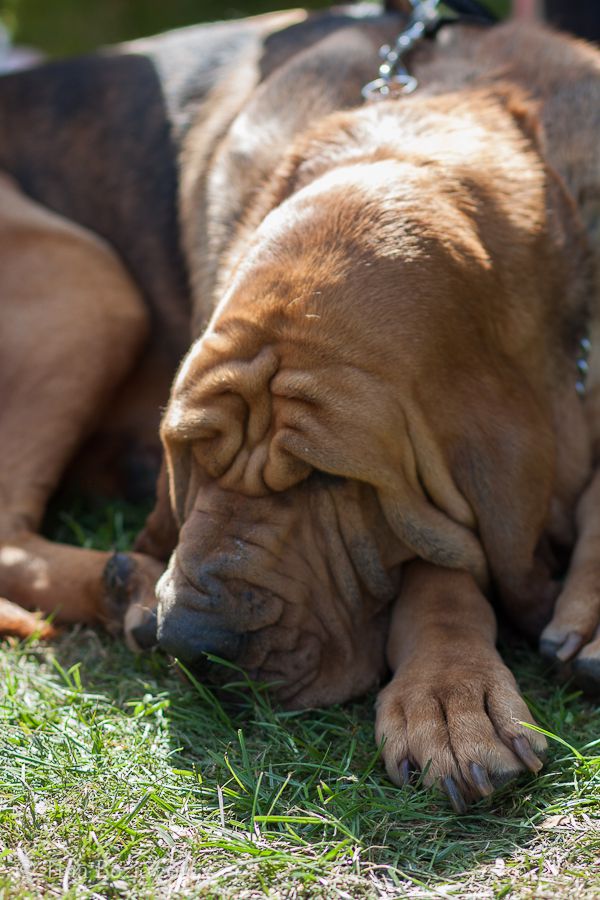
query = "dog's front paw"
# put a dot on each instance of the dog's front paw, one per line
(462, 730)
(572, 639)
(130, 600)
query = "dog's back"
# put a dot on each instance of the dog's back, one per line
(159, 145)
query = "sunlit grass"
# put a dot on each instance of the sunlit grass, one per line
(120, 776)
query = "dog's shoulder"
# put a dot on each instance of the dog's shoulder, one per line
(104, 139)
(89, 138)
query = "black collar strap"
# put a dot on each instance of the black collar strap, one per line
(470, 11)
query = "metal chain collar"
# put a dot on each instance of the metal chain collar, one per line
(582, 363)
(394, 78)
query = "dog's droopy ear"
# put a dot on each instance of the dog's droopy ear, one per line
(159, 535)
(222, 423)
(504, 467)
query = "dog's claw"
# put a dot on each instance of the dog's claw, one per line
(455, 796)
(522, 748)
(130, 599)
(404, 771)
(563, 649)
(481, 780)
(570, 646)
(548, 649)
(143, 636)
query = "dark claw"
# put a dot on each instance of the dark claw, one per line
(562, 650)
(117, 578)
(404, 771)
(481, 780)
(548, 649)
(456, 798)
(144, 634)
(570, 647)
(522, 748)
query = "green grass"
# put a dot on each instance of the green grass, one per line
(118, 777)
(121, 777)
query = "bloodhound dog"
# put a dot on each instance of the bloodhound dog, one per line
(376, 438)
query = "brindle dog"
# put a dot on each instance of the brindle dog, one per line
(376, 430)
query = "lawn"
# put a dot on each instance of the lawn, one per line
(120, 776)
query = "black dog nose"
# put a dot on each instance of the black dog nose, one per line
(188, 636)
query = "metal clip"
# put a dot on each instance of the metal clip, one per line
(382, 88)
(394, 79)
(582, 363)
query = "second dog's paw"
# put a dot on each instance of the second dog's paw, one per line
(572, 638)
(130, 599)
(18, 622)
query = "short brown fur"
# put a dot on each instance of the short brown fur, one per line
(375, 432)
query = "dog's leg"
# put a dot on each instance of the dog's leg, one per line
(572, 638)
(573, 635)
(72, 325)
(452, 709)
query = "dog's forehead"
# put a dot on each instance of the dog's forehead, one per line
(187, 366)
(208, 349)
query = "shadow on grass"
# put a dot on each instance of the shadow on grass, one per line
(167, 773)
(310, 783)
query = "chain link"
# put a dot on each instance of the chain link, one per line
(394, 78)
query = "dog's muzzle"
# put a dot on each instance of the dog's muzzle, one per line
(189, 626)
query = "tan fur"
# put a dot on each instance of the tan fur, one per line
(72, 326)
(460, 706)
(378, 429)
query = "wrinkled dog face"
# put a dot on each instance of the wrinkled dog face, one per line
(286, 563)
(290, 586)
(313, 443)
(283, 569)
